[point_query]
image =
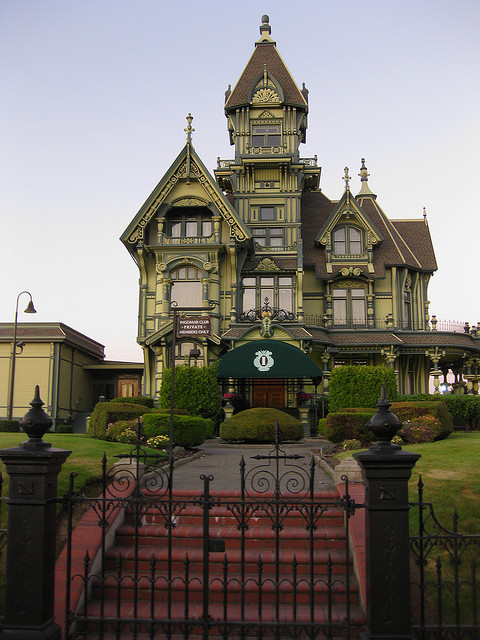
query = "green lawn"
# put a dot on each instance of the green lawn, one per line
(451, 475)
(85, 459)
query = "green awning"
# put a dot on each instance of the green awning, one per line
(267, 359)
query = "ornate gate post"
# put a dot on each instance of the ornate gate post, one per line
(386, 470)
(33, 469)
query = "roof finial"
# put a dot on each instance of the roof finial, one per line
(347, 179)
(265, 31)
(265, 27)
(425, 215)
(365, 189)
(189, 130)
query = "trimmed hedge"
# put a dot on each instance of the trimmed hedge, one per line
(9, 426)
(465, 409)
(64, 428)
(359, 386)
(258, 425)
(188, 431)
(106, 413)
(348, 425)
(412, 410)
(145, 401)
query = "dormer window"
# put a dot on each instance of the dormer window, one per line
(347, 240)
(266, 135)
(189, 224)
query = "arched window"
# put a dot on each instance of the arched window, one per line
(187, 286)
(349, 307)
(347, 240)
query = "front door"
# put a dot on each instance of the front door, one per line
(269, 393)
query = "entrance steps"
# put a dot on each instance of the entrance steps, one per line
(277, 569)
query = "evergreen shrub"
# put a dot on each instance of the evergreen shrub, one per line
(258, 425)
(196, 391)
(348, 425)
(188, 431)
(145, 401)
(9, 426)
(424, 428)
(115, 430)
(106, 413)
(359, 386)
(438, 410)
(465, 409)
(321, 426)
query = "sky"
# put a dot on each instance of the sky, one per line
(93, 100)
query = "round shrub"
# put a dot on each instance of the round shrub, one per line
(348, 425)
(422, 429)
(117, 429)
(258, 425)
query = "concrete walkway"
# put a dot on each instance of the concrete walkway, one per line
(222, 461)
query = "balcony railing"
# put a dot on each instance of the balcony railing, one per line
(184, 240)
(453, 326)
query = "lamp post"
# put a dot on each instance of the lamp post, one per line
(30, 309)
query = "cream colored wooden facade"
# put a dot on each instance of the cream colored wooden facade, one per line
(262, 225)
(68, 367)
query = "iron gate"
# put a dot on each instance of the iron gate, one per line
(270, 559)
(446, 579)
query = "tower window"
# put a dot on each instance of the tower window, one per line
(266, 135)
(267, 213)
(268, 236)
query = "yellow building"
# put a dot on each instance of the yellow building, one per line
(272, 261)
(69, 368)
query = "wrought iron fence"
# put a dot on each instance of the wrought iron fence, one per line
(446, 581)
(261, 561)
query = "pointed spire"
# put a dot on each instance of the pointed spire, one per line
(365, 189)
(347, 179)
(265, 31)
(425, 216)
(189, 130)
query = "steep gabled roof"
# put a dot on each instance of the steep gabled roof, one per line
(399, 246)
(265, 57)
(186, 166)
(404, 242)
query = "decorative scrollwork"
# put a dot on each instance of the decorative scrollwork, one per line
(279, 476)
(274, 315)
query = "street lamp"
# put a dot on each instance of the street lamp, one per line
(30, 309)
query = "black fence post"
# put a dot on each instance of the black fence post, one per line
(33, 468)
(386, 470)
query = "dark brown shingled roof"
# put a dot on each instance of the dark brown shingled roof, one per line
(417, 236)
(265, 54)
(405, 243)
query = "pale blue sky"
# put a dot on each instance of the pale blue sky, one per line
(94, 95)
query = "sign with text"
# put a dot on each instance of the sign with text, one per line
(194, 327)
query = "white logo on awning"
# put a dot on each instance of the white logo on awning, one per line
(263, 360)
